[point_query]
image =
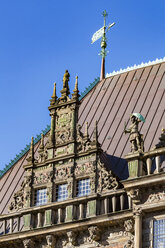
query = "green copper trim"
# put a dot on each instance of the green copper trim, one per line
(45, 131)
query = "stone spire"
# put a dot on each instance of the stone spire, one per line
(75, 94)
(30, 159)
(54, 96)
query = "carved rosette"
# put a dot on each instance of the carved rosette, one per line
(106, 180)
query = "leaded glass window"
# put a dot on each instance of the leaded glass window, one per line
(40, 197)
(62, 192)
(159, 234)
(83, 187)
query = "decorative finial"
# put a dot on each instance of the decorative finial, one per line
(54, 96)
(75, 94)
(95, 133)
(30, 159)
(42, 142)
(102, 33)
(86, 130)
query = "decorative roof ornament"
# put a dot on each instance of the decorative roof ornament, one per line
(97, 35)
(65, 91)
(75, 94)
(136, 138)
(54, 96)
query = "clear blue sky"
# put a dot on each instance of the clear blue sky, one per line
(39, 39)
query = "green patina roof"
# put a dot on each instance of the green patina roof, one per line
(45, 131)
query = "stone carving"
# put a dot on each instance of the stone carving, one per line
(71, 239)
(63, 173)
(50, 239)
(106, 180)
(129, 227)
(82, 169)
(43, 177)
(66, 80)
(20, 197)
(94, 235)
(162, 140)
(83, 142)
(156, 197)
(135, 195)
(70, 188)
(137, 210)
(28, 243)
(136, 139)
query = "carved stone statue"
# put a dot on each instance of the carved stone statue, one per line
(50, 239)
(135, 137)
(71, 239)
(94, 235)
(66, 80)
(28, 243)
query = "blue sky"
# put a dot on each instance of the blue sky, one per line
(39, 39)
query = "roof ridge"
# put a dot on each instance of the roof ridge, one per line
(130, 68)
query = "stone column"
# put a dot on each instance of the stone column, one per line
(138, 227)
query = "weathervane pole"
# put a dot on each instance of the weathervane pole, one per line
(103, 47)
(101, 33)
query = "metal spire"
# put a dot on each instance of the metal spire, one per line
(102, 33)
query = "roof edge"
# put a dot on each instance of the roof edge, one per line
(130, 68)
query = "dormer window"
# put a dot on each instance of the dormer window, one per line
(83, 187)
(62, 192)
(40, 197)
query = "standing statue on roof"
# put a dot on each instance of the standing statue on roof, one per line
(135, 137)
(66, 80)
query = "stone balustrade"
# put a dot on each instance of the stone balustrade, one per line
(63, 212)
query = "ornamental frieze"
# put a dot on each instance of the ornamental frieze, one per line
(45, 177)
(156, 197)
(84, 169)
(63, 173)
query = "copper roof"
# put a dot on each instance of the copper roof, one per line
(111, 101)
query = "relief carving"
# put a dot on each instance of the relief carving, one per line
(106, 180)
(71, 242)
(43, 177)
(129, 228)
(83, 169)
(21, 196)
(63, 173)
(135, 195)
(156, 197)
(50, 239)
(94, 235)
(28, 243)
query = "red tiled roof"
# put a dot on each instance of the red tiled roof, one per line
(111, 102)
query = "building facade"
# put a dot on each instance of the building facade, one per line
(73, 189)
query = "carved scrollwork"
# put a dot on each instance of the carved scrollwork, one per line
(106, 180)
(156, 197)
(21, 196)
(129, 228)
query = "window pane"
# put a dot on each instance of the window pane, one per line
(83, 187)
(159, 233)
(40, 197)
(62, 192)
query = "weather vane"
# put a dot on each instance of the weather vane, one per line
(97, 35)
